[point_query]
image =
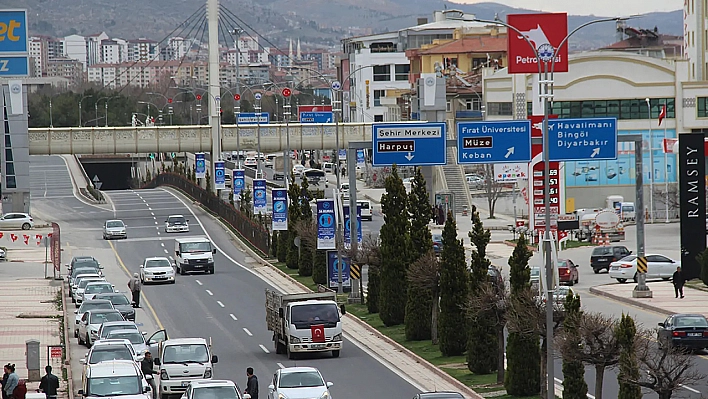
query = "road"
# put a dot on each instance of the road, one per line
(227, 306)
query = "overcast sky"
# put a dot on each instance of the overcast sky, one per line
(594, 7)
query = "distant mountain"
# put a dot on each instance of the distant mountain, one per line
(316, 22)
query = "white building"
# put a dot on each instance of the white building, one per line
(39, 53)
(75, 48)
(142, 50)
(93, 48)
(112, 52)
(180, 46)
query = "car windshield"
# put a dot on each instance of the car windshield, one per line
(118, 300)
(100, 318)
(202, 246)
(690, 321)
(114, 386)
(187, 353)
(98, 288)
(176, 220)
(304, 316)
(86, 263)
(158, 263)
(83, 270)
(535, 272)
(364, 205)
(112, 352)
(562, 263)
(602, 251)
(134, 337)
(83, 283)
(86, 306)
(114, 223)
(107, 329)
(215, 393)
(301, 379)
(437, 238)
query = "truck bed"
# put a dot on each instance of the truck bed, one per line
(276, 300)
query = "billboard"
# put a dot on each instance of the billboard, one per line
(545, 32)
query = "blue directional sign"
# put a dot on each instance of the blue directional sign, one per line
(493, 142)
(14, 43)
(14, 65)
(316, 117)
(199, 165)
(219, 175)
(251, 118)
(583, 139)
(239, 181)
(407, 144)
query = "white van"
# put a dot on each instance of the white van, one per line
(194, 254)
(328, 167)
(344, 189)
(182, 361)
(315, 177)
(366, 211)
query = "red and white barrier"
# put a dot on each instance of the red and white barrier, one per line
(22, 238)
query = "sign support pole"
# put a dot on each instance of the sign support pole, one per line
(641, 290)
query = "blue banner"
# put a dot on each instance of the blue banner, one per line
(260, 202)
(342, 155)
(199, 165)
(326, 224)
(219, 175)
(360, 157)
(333, 270)
(280, 209)
(347, 228)
(239, 181)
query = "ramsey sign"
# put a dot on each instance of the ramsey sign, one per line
(545, 32)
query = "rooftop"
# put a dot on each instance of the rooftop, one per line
(478, 44)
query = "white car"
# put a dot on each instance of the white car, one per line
(109, 326)
(658, 266)
(366, 211)
(97, 287)
(298, 170)
(221, 389)
(136, 338)
(81, 284)
(16, 221)
(91, 322)
(157, 270)
(176, 224)
(107, 350)
(95, 304)
(299, 383)
(250, 162)
(115, 379)
(114, 229)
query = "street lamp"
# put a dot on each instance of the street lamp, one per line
(168, 103)
(651, 162)
(80, 101)
(106, 107)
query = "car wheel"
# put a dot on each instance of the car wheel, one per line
(666, 278)
(597, 271)
(622, 280)
(78, 338)
(577, 279)
(181, 271)
(335, 353)
(26, 226)
(173, 281)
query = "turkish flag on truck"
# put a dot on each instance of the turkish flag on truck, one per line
(318, 333)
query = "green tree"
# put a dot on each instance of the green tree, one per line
(274, 244)
(245, 202)
(306, 255)
(454, 290)
(373, 289)
(319, 267)
(294, 213)
(574, 385)
(523, 352)
(207, 178)
(283, 245)
(395, 251)
(626, 333)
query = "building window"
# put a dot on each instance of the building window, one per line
(10, 168)
(377, 97)
(402, 71)
(10, 182)
(499, 109)
(382, 73)
(620, 109)
(702, 107)
(473, 104)
(378, 118)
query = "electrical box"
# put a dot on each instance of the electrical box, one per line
(32, 354)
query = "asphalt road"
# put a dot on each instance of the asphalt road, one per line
(228, 306)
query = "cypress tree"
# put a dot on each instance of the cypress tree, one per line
(306, 255)
(482, 357)
(373, 290)
(395, 251)
(574, 385)
(419, 304)
(293, 255)
(274, 244)
(628, 366)
(523, 352)
(319, 267)
(454, 290)
(283, 245)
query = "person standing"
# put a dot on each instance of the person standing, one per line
(134, 285)
(49, 384)
(252, 384)
(678, 281)
(147, 366)
(6, 374)
(12, 381)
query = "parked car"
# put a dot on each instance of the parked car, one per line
(114, 229)
(136, 338)
(97, 287)
(120, 303)
(439, 395)
(437, 243)
(115, 379)
(221, 389)
(94, 304)
(16, 221)
(602, 257)
(658, 266)
(91, 322)
(109, 326)
(684, 330)
(103, 351)
(567, 272)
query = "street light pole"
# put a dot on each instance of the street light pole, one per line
(51, 121)
(106, 113)
(81, 101)
(258, 133)
(651, 164)
(286, 153)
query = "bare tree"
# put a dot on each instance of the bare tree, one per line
(667, 368)
(424, 274)
(674, 202)
(493, 300)
(307, 231)
(492, 189)
(599, 345)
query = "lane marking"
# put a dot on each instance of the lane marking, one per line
(156, 222)
(165, 250)
(209, 292)
(198, 282)
(264, 349)
(149, 209)
(247, 332)
(220, 304)
(162, 243)
(280, 365)
(233, 317)
(145, 300)
(152, 213)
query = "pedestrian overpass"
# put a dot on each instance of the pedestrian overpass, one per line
(193, 138)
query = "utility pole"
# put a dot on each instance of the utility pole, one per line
(214, 87)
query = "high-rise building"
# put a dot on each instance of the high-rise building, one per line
(694, 38)
(93, 48)
(39, 52)
(143, 50)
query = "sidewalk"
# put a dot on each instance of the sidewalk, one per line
(663, 300)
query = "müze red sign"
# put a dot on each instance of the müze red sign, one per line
(545, 32)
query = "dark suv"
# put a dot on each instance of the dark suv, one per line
(602, 256)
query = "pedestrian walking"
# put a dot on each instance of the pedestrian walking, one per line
(135, 285)
(678, 281)
(147, 366)
(12, 381)
(49, 384)
(252, 384)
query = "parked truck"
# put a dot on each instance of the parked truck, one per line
(603, 221)
(304, 322)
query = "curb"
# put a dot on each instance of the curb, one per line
(471, 393)
(67, 339)
(622, 299)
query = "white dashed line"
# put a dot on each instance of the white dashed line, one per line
(156, 222)
(149, 209)
(198, 282)
(264, 349)
(233, 317)
(162, 243)
(247, 332)
(209, 292)
(165, 250)
(280, 365)
(220, 304)
(171, 258)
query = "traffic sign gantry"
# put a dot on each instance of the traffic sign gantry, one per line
(584, 139)
(494, 142)
(406, 144)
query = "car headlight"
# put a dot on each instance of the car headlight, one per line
(163, 375)
(325, 395)
(294, 340)
(337, 337)
(130, 313)
(207, 372)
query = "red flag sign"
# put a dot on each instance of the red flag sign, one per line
(318, 333)
(545, 32)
